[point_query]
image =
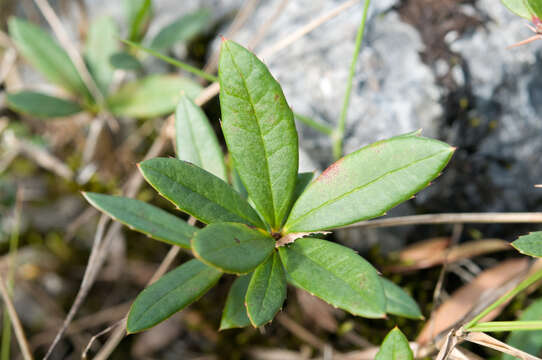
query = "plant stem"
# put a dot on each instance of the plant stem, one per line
(496, 326)
(179, 64)
(338, 136)
(509, 295)
(13, 246)
(323, 128)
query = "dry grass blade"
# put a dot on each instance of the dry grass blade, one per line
(452, 218)
(66, 43)
(459, 305)
(296, 35)
(94, 263)
(490, 342)
(16, 323)
(266, 25)
(38, 155)
(300, 332)
(320, 312)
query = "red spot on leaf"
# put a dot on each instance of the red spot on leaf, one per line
(331, 172)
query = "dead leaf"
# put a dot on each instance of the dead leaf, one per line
(434, 252)
(461, 302)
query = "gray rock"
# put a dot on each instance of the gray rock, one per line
(504, 130)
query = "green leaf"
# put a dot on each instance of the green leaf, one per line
(184, 28)
(101, 44)
(147, 219)
(42, 105)
(536, 7)
(398, 302)
(197, 192)
(235, 312)
(367, 183)
(232, 247)
(44, 53)
(266, 292)
(518, 7)
(528, 341)
(395, 347)
(196, 139)
(260, 132)
(335, 274)
(139, 13)
(124, 61)
(155, 95)
(173, 292)
(530, 244)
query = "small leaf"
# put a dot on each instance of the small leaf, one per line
(139, 13)
(528, 341)
(530, 244)
(335, 274)
(266, 291)
(145, 218)
(197, 192)
(235, 312)
(173, 292)
(232, 247)
(101, 44)
(42, 105)
(398, 302)
(184, 28)
(395, 347)
(518, 7)
(155, 95)
(196, 140)
(124, 61)
(259, 130)
(44, 53)
(368, 182)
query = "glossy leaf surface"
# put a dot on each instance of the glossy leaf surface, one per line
(173, 292)
(184, 28)
(398, 302)
(367, 183)
(530, 244)
(45, 54)
(196, 139)
(260, 132)
(235, 312)
(266, 291)
(232, 247)
(155, 95)
(198, 192)
(42, 105)
(335, 274)
(147, 219)
(102, 42)
(395, 347)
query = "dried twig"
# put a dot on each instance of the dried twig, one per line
(88, 279)
(41, 156)
(16, 323)
(267, 24)
(240, 19)
(452, 218)
(296, 35)
(301, 332)
(490, 342)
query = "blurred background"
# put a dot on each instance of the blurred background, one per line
(442, 66)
